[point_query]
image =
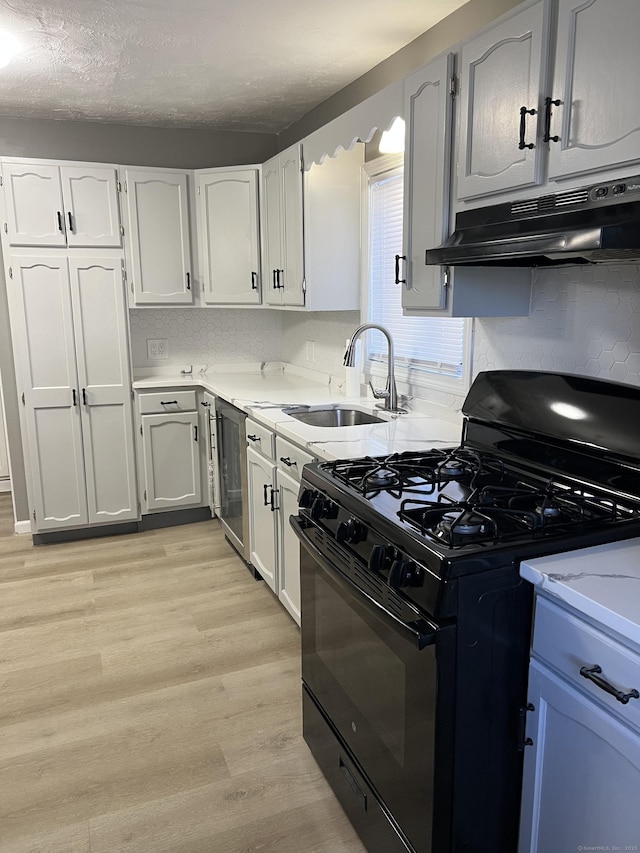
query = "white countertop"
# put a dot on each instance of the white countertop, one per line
(602, 582)
(262, 394)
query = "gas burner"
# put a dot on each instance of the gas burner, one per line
(549, 511)
(381, 478)
(454, 469)
(466, 524)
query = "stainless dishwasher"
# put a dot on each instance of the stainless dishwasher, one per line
(232, 468)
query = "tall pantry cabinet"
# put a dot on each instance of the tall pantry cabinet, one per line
(70, 337)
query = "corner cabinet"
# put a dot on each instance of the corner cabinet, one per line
(171, 450)
(61, 206)
(229, 235)
(158, 237)
(311, 231)
(69, 324)
(283, 224)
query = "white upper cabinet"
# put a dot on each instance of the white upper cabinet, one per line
(58, 206)
(428, 114)
(229, 237)
(597, 77)
(311, 231)
(503, 71)
(158, 248)
(283, 224)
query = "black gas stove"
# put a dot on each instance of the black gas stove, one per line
(426, 545)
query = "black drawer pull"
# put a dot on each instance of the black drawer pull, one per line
(168, 402)
(523, 113)
(287, 461)
(592, 673)
(253, 437)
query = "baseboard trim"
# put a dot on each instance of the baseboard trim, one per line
(22, 527)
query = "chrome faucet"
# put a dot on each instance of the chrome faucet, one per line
(390, 393)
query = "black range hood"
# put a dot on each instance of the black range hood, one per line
(594, 224)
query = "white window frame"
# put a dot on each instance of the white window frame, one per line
(388, 165)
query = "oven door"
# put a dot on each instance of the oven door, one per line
(382, 680)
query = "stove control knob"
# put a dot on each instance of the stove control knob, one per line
(381, 557)
(403, 573)
(322, 507)
(351, 531)
(306, 498)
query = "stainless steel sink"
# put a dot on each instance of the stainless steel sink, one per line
(331, 416)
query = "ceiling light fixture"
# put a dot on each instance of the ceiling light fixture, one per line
(9, 46)
(392, 140)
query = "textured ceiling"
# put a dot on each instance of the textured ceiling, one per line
(245, 65)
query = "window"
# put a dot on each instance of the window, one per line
(428, 351)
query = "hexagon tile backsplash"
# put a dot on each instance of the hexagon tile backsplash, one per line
(206, 335)
(583, 320)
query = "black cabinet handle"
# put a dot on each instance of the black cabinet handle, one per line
(195, 433)
(280, 286)
(84, 396)
(253, 437)
(399, 280)
(548, 103)
(254, 281)
(60, 222)
(275, 286)
(168, 402)
(524, 112)
(264, 493)
(70, 221)
(75, 397)
(272, 500)
(205, 404)
(287, 461)
(592, 674)
(188, 281)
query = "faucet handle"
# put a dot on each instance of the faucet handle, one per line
(379, 393)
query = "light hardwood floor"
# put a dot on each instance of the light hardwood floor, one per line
(150, 702)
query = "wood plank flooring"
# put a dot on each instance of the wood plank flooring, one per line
(150, 702)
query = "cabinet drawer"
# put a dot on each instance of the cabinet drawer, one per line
(568, 644)
(167, 401)
(260, 438)
(291, 458)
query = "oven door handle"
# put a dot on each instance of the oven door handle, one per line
(421, 638)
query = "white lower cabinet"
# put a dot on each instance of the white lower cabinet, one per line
(274, 468)
(172, 462)
(582, 759)
(262, 517)
(69, 324)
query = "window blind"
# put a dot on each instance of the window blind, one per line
(431, 345)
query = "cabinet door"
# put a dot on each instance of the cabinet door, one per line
(171, 460)
(428, 112)
(228, 209)
(100, 329)
(159, 252)
(272, 232)
(289, 545)
(292, 223)
(502, 70)
(90, 196)
(42, 323)
(35, 212)
(262, 519)
(582, 773)
(596, 80)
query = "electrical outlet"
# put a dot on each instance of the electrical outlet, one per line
(311, 350)
(157, 349)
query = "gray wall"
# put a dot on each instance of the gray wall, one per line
(130, 145)
(457, 27)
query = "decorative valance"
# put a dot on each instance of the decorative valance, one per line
(358, 123)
